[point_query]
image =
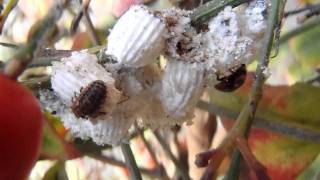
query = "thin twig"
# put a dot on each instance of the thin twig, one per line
(308, 7)
(9, 45)
(148, 146)
(183, 172)
(45, 57)
(115, 162)
(299, 30)
(211, 9)
(131, 162)
(25, 55)
(92, 32)
(152, 153)
(5, 13)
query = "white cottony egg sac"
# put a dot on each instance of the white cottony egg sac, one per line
(138, 37)
(136, 86)
(183, 42)
(182, 85)
(234, 37)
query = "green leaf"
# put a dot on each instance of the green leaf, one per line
(312, 172)
(57, 171)
(54, 145)
(305, 49)
(291, 110)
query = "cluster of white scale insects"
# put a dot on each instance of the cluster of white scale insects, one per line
(136, 88)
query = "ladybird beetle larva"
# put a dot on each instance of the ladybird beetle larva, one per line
(90, 100)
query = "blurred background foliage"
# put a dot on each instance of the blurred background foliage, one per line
(286, 138)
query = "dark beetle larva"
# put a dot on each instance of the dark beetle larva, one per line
(234, 81)
(90, 100)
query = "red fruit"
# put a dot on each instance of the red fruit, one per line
(121, 6)
(21, 124)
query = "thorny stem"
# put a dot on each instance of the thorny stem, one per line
(131, 162)
(25, 55)
(299, 30)
(211, 9)
(244, 122)
(183, 172)
(5, 13)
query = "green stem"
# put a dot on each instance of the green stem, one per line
(234, 169)
(211, 9)
(246, 117)
(299, 30)
(131, 162)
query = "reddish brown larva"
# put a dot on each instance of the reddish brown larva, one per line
(90, 99)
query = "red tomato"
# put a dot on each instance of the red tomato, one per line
(21, 124)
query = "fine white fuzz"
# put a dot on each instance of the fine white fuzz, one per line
(183, 42)
(182, 85)
(226, 45)
(254, 16)
(138, 37)
(234, 37)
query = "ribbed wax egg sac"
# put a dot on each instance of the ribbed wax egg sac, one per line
(73, 74)
(112, 129)
(182, 85)
(76, 72)
(138, 37)
(109, 129)
(234, 37)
